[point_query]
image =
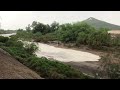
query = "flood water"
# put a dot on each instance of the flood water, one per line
(62, 54)
(7, 35)
(65, 55)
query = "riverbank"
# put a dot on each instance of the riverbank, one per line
(71, 56)
(10, 68)
(82, 61)
(87, 67)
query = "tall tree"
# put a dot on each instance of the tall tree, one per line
(28, 28)
(40, 27)
(54, 26)
(34, 23)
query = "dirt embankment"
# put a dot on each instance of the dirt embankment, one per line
(10, 68)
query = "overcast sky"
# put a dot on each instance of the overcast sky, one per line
(20, 19)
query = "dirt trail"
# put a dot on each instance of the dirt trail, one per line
(13, 69)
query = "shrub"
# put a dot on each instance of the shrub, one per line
(110, 66)
(3, 39)
(31, 48)
(53, 69)
(12, 43)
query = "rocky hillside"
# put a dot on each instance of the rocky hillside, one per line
(101, 24)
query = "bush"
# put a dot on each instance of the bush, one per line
(53, 69)
(31, 48)
(24, 35)
(45, 38)
(11, 43)
(110, 66)
(45, 67)
(3, 39)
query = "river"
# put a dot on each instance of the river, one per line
(62, 54)
(7, 35)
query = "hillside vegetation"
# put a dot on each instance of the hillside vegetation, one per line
(101, 24)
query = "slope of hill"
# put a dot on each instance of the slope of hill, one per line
(12, 69)
(101, 24)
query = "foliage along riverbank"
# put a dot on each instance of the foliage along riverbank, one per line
(76, 35)
(48, 69)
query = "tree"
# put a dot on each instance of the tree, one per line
(31, 48)
(48, 29)
(82, 38)
(19, 30)
(34, 23)
(40, 27)
(98, 39)
(54, 26)
(28, 28)
(3, 39)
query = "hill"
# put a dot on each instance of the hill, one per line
(13, 69)
(101, 24)
(2, 31)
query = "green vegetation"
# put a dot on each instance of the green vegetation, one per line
(77, 34)
(40, 27)
(54, 69)
(24, 35)
(110, 66)
(3, 39)
(94, 35)
(44, 67)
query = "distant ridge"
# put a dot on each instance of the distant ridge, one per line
(101, 24)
